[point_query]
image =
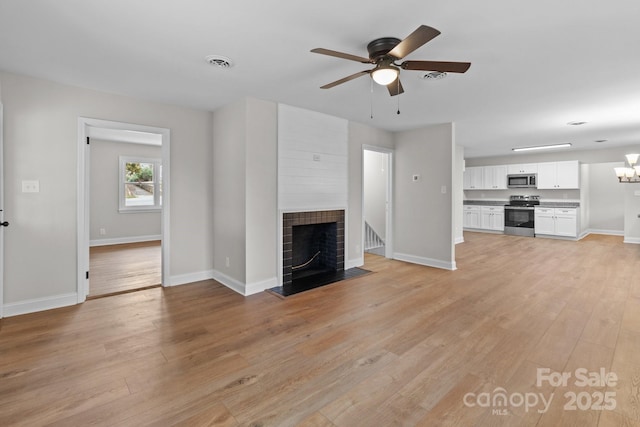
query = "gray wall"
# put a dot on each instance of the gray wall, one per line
(262, 193)
(605, 196)
(245, 194)
(458, 193)
(229, 183)
(423, 216)
(40, 142)
(105, 170)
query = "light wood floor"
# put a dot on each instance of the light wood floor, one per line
(123, 268)
(402, 346)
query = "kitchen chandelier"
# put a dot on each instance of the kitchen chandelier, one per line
(630, 174)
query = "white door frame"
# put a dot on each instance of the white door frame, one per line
(388, 247)
(85, 126)
(1, 214)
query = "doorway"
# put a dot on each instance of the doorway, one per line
(377, 200)
(101, 131)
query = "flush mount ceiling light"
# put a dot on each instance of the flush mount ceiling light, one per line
(542, 147)
(385, 74)
(219, 61)
(576, 123)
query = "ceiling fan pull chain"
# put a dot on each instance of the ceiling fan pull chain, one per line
(398, 96)
(371, 100)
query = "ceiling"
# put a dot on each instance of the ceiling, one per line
(535, 65)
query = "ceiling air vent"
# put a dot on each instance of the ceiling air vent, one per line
(434, 75)
(219, 61)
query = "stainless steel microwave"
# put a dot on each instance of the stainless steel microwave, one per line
(527, 180)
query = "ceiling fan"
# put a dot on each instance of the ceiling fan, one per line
(385, 51)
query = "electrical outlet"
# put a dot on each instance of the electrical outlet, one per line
(30, 186)
(103, 231)
(226, 262)
(443, 189)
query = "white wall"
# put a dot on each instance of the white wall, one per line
(375, 190)
(40, 140)
(105, 169)
(423, 216)
(312, 160)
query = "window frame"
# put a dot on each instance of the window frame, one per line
(157, 182)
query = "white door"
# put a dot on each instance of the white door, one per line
(2, 221)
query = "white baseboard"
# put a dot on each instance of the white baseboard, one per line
(606, 232)
(254, 288)
(183, 279)
(632, 240)
(459, 239)
(351, 263)
(429, 262)
(244, 289)
(229, 282)
(123, 240)
(39, 304)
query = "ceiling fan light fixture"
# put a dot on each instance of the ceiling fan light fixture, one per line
(385, 74)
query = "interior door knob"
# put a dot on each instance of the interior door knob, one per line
(4, 224)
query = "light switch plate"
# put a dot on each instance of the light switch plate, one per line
(31, 186)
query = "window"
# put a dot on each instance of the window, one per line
(140, 184)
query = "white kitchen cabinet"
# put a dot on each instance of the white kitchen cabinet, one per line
(472, 178)
(471, 217)
(522, 168)
(494, 177)
(559, 175)
(556, 222)
(483, 217)
(492, 218)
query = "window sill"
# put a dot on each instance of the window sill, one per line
(139, 210)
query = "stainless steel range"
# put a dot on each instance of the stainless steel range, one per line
(519, 215)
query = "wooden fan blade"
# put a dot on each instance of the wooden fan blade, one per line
(416, 39)
(443, 67)
(395, 88)
(342, 55)
(345, 79)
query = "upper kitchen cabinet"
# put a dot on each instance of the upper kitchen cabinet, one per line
(495, 177)
(522, 168)
(559, 175)
(472, 178)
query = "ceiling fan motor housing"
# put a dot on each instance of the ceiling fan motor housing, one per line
(381, 47)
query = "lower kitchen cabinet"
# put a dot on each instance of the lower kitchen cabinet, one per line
(484, 217)
(471, 217)
(492, 218)
(561, 222)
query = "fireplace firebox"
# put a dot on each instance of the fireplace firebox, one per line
(312, 243)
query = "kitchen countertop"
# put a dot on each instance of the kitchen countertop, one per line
(486, 202)
(560, 205)
(506, 202)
